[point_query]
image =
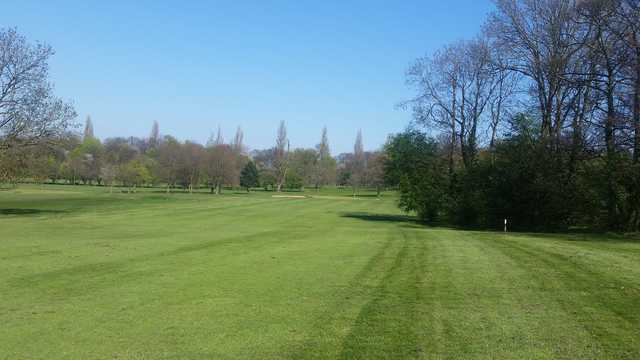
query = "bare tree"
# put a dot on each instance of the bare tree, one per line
(436, 80)
(220, 167)
(238, 142)
(109, 173)
(325, 167)
(501, 101)
(281, 158)
(154, 137)
(88, 129)
(455, 87)
(477, 87)
(627, 16)
(217, 140)
(29, 112)
(375, 170)
(168, 161)
(191, 164)
(358, 164)
(538, 37)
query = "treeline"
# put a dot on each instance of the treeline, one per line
(535, 120)
(167, 162)
(37, 144)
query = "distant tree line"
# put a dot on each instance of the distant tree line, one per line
(535, 120)
(163, 161)
(38, 142)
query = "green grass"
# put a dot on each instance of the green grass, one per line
(89, 275)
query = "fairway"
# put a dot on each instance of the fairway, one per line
(85, 274)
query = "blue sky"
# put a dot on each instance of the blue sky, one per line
(195, 64)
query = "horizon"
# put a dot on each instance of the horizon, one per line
(198, 66)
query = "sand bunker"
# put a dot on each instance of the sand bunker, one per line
(289, 196)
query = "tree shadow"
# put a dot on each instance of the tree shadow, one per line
(28, 212)
(380, 217)
(570, 236)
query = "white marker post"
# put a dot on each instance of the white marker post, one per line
(505, 225)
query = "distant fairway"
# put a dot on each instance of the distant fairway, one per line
(89, 275)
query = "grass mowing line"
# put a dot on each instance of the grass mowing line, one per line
(81, 278)
(177, 207)
(454, 316)
(528, 319)
(73, 276)
(248, 276)
(100, 269)
(570, 287)
(602, 254)
(136, 224)
(335, 315)
(567, 266)
(386, 323)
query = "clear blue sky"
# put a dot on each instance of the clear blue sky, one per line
(195, 64)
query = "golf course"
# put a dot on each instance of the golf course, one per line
(85, 274)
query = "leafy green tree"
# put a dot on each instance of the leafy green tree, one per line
(267, 179)
(12, 165)
(293, 181)
(92, 152)
(134, 173)
(249, 177)
(415, 163)
(303, 163)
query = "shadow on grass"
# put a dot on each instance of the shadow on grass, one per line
(27, 212)
(379, 217)
(571, 236)
(408, 221)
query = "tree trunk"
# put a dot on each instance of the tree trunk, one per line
(609, 137)
(635, 198)
(636, 106)
(576, 141)
(546, 105)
